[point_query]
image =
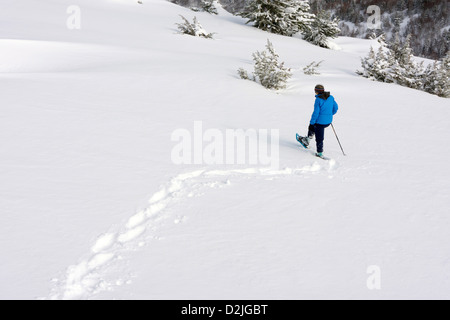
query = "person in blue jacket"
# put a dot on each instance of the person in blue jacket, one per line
(325, 107)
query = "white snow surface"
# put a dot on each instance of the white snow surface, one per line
(93, 207)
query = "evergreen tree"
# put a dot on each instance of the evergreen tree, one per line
(430, 76)
(395, 63)
(436, 78)
(404, 70)
(268, 71)
(209, 6)
(443, 84)
(285, 17)
(271, 73)
(367, 64)
(322, 28)
(376, 65)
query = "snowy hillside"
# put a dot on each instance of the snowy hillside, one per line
(94, 204)
(427, 21)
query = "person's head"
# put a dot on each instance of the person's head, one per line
(319, 89)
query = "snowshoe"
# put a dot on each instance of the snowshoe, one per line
(304, 141)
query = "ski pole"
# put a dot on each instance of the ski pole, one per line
(338, 139)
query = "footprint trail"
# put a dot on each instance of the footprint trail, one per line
(95, 272)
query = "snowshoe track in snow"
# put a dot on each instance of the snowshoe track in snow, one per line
(93, 274)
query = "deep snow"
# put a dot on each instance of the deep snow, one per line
(93, 207)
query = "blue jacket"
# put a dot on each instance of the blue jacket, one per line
(325, 108)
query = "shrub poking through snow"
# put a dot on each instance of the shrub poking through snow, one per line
(311, 69)
(194, 29)
(243, 74)
(268, 71)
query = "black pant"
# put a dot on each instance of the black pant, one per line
(318, 130)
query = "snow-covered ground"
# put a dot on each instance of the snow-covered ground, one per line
(93, 205)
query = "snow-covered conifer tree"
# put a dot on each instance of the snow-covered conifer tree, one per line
(430, 77)
(285, 17)
(395, 63)
(322, 28)
(436, 78)
(208, 6)
(404, 70)
(367, 64)
(268, 71)
(376, 65)
(443, 84)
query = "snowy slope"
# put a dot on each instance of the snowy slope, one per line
(93, 206)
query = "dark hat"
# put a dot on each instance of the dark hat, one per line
(319, 88)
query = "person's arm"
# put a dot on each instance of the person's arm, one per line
(335, 107)
(316, 112)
